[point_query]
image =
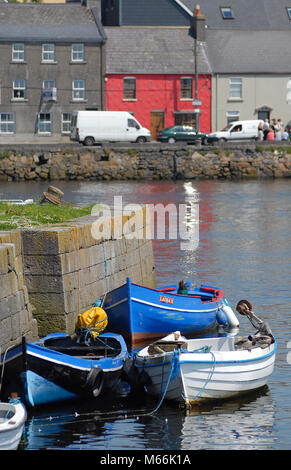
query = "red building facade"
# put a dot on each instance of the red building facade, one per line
(160, 100)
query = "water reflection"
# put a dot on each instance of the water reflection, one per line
(244, 247)
(118, 426)
(237, 424)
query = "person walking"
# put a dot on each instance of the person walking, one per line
(261, 131)
(266, 128)
(278, 130)
(270, 135)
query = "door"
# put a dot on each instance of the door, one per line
(157, 122)
(236, 132)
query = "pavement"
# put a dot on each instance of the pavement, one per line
(34, 139)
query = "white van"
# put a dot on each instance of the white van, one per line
(107, 126)
(237, 130)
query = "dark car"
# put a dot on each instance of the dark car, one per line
(288, 128)
(181, 133)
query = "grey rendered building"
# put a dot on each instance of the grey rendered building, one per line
(248, 48)
(52, 63)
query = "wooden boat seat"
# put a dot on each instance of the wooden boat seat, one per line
(160, 347)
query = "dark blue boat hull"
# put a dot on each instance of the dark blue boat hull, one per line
(50, 375)
(140, 313)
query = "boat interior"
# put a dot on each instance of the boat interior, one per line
(97, 348)
(6, 412)
(223, 343)
(206, 293)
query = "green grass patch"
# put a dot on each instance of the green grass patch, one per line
(14, 216)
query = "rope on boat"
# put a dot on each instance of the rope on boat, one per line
(12, 401)
(127, 414)
(174, 371)
(3, 364)
(207, 380)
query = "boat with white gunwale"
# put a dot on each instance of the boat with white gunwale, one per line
(203, 369)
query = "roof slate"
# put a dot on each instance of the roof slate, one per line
(155, 50)
(248, 14)
(54, 22)
(249, 51)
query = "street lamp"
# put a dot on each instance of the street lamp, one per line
(198, 32)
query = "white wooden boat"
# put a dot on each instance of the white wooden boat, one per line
(12, 420)
(195, 370)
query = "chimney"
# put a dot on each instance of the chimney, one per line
(198, 23)
(93, 4)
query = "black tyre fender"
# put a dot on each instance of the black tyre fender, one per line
(95, 381)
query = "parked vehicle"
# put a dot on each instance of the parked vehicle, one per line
(237, 130)
(181, 133)
(90, 127)
(288, 128)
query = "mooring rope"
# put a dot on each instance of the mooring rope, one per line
(125, 414)
(3, 364)
(117, 414)
(207, 380)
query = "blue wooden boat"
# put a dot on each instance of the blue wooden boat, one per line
(141, 313)
(59, 367)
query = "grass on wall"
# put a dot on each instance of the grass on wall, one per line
(14, 216)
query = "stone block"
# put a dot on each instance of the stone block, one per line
(63, 263)
(5, 332)
(51, 284)
(90, 256)
(85, 237)
(12, 236)
(8, 284)
(92, 274)
(49, 240)
(51, 303)
(4, 309)
(15, 326)
(51, 323)
(7, 258)
(134, 272)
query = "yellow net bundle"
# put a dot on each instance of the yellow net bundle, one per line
(94, 319)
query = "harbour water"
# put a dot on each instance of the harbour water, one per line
(245, 248)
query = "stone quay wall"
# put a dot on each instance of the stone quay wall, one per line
(60, 271)
(144, 162)
(16, 319)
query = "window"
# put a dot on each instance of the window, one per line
(185, 119)
(7, 124)
(18, 52)
(48, 84)
(289, 12)
(77, 52)
(129, 88)
(132, 123)
(226, 13)
(78, 90)
(48, 53)
(232, 116)
(66, 123)
(19, 89)
(44, 123)
(49, 91)
(235, 88)
(186, 88)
